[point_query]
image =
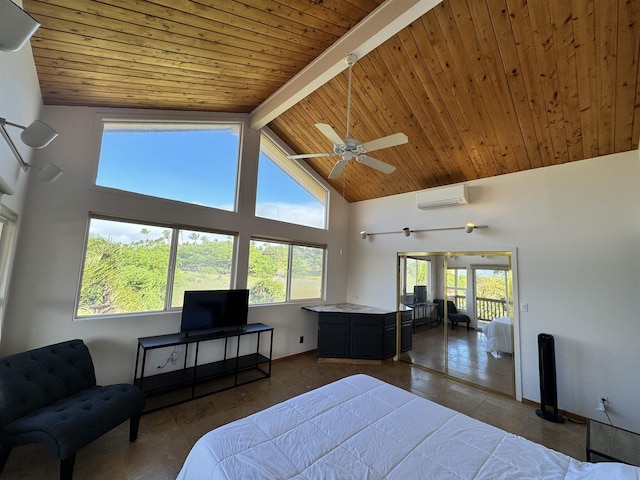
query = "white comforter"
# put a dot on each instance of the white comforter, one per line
(362, 428)
(499, 333)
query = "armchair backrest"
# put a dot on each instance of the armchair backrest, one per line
(39, 377)
(451, 307)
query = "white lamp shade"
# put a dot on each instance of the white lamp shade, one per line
(16, 26)
(38, 134)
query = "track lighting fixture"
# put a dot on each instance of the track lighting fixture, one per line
(468, 227)
(36, 135)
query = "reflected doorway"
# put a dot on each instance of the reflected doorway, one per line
(463, 326)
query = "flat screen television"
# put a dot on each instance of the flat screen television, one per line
(420, 294)
(214, 310)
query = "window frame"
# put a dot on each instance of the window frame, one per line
(171, 267)
(177, 120)
(457, 289)
(290, 245)
(276, 151)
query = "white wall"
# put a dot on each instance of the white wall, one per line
(48, 262)
(576, 228)
(20, 102)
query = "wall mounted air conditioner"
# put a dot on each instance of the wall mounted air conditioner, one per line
(442, 197)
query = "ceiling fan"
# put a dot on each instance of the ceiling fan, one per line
(348, 148)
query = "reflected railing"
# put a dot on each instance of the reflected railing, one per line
(488, 309)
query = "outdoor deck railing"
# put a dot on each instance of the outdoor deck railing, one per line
(487, 308)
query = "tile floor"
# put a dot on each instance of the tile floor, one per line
(467, 357)
(167, 435)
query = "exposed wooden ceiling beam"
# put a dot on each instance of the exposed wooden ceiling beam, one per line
(381, 24)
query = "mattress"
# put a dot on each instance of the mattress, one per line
(362, 428)
(499, 333)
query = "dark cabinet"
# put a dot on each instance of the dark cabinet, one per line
(406, 332)
(333, 336)
(364, 336)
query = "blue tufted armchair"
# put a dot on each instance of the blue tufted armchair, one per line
(49, 395)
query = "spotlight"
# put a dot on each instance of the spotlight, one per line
(36, 135)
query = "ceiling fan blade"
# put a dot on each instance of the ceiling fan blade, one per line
(328, 131)
(310, 155)
(375, 163)
(337, 169)
(384, 142)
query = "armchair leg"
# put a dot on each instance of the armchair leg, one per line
(5, 450)
(66, 467)
(134, 423)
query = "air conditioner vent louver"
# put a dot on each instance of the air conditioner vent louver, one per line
(442, 197)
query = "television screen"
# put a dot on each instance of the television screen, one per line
(420, 294)
(214, 309)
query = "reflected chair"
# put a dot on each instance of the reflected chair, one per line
(452, 313)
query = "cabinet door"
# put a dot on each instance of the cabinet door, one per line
(406, 334)
(333, 336)
(366, 342)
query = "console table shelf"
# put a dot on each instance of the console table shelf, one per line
(231, 370)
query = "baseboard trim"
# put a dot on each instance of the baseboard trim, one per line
(573, 416)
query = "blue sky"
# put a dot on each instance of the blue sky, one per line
(198, 166)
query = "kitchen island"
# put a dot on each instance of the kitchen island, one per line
(352, 332)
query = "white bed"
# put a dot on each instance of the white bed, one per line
(362, 428)
(499, 333)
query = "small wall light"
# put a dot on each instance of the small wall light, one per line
(363, 234)
(469, 227)
(406, 231)
(16, 26)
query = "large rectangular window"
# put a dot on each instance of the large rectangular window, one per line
(282, 272)
(135, 267)
(195, 163)
(416, 274)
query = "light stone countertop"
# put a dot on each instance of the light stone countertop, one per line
(350, 308)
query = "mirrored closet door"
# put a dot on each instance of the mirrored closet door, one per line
(462, 315)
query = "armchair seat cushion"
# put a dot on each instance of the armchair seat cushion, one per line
(72, 422)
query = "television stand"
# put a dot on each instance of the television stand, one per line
(194, 379)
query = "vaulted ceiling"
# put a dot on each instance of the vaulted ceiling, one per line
(480, 87)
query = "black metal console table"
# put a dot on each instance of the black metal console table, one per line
(196, 380)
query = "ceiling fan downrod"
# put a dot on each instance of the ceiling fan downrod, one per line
(350, 61)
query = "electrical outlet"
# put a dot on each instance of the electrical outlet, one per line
(601, 404)
(301, 339)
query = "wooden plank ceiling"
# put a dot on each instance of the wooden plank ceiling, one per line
(481, 87)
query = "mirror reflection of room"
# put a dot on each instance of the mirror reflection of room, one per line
(462, 316)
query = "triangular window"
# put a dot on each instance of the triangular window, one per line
(286, 191)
